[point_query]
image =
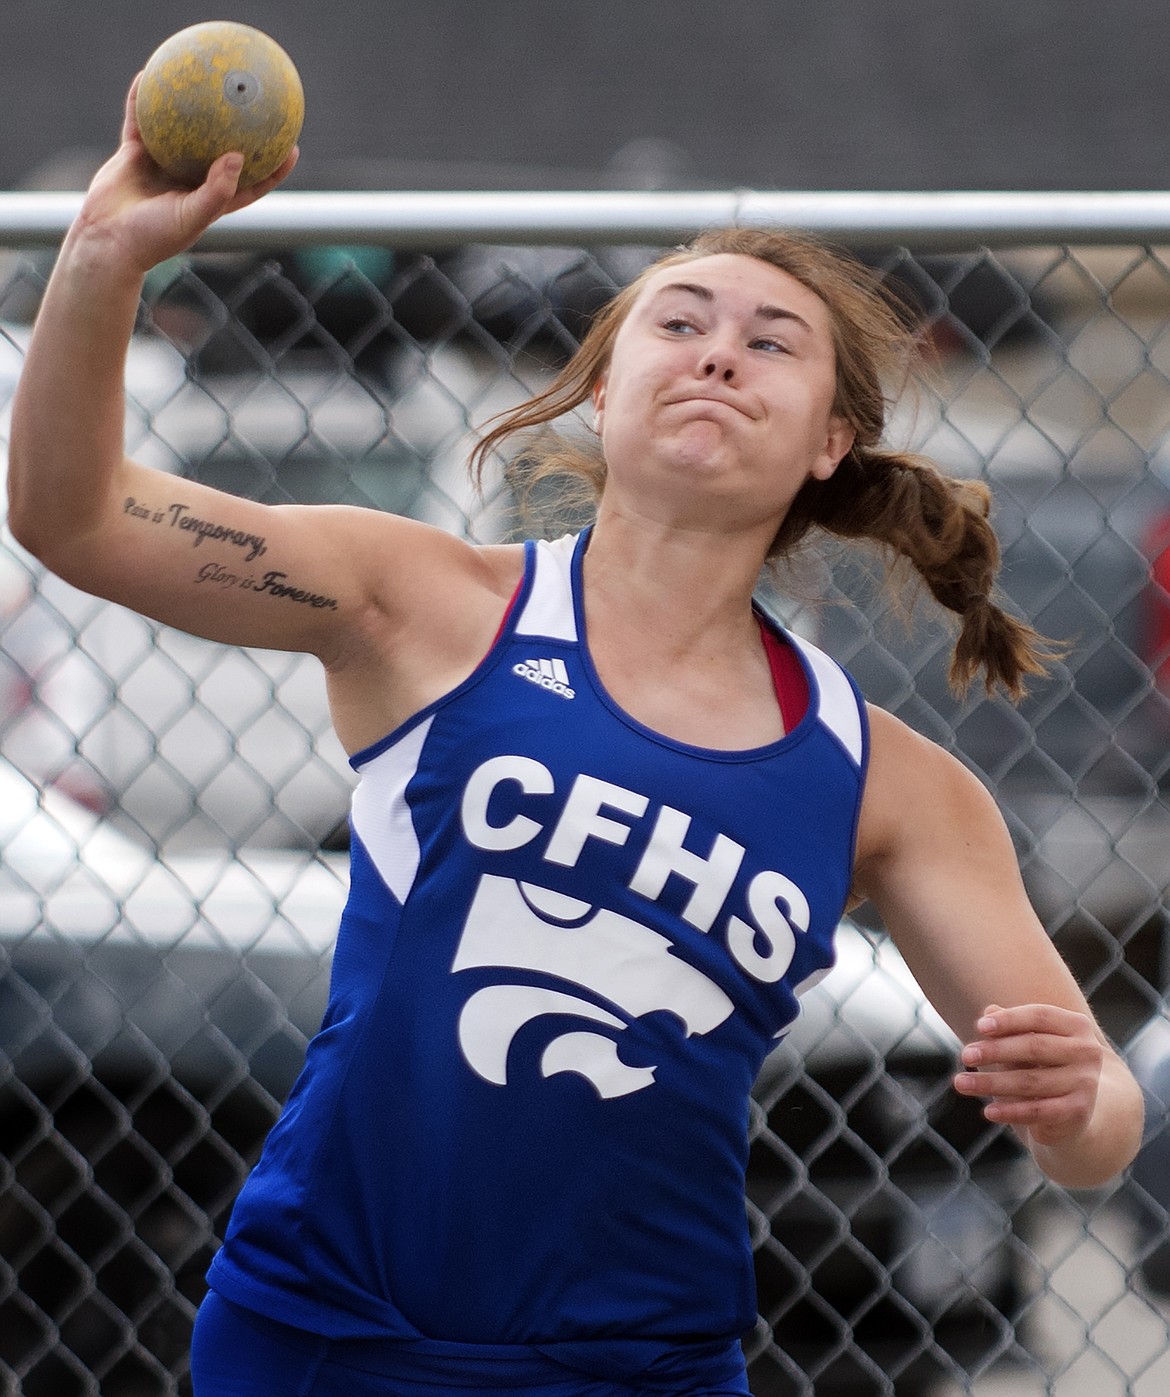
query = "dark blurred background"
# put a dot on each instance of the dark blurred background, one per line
(839, 94)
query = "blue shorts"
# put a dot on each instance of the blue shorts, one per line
(238, 1353)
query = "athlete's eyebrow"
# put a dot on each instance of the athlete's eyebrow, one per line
(764, 312)
(704, 293)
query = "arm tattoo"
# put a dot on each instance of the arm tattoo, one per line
(179, 516)
(272, 584)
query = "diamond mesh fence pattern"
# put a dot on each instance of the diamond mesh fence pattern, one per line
(172, 820)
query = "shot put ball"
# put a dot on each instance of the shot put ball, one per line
(216, 87)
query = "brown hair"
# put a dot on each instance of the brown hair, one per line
(905, 504)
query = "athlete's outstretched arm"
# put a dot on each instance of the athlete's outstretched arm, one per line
(74, 501)
(302, 576)
(397, 610)
(936, 859)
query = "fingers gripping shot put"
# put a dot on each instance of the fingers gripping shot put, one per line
(581, 912)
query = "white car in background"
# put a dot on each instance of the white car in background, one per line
(110, 954)
(184, 742)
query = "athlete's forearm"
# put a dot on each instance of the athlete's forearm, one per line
(67, 432)
(66, 443)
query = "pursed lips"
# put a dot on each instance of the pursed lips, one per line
(681, 398)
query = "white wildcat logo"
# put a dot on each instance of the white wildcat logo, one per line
(520, 926)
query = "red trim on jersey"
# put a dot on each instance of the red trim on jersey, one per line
(507, 613)
(788, 676)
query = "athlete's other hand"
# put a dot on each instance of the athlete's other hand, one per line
(1041, 1068)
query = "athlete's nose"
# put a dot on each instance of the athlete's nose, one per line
(718, 363)
(719, 355)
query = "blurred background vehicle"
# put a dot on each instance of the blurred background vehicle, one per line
(1147, 1194)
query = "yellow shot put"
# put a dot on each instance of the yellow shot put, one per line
(216, 87)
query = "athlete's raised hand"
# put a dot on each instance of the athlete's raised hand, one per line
(145, 215)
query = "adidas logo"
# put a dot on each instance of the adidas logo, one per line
(549, 674)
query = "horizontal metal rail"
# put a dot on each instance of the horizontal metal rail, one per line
(593, 218)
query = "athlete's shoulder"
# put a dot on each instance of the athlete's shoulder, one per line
(917, 791)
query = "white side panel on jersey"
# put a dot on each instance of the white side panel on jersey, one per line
(838, 707)
(549, 608)
(381, 816)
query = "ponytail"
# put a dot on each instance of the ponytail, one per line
(940, 527)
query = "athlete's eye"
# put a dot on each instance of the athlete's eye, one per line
(770, 345)
(679, 325)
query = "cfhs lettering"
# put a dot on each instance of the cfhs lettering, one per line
(776, 906)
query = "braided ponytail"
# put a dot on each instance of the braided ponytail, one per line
(940, 527)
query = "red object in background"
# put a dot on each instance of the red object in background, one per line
(1156, 627)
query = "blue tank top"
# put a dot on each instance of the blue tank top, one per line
(569, 944)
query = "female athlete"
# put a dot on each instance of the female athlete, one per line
(607, 821)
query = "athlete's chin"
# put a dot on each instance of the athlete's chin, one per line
(712, 466)
(704, 447)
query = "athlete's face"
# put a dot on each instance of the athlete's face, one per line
(721, 387)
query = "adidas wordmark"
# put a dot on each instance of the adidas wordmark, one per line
(549, 674)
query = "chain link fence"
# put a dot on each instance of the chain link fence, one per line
(172, 813)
